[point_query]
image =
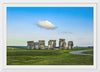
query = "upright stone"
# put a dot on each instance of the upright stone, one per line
(54, 43)
(36, 45)
(30, 44)
(51, 44)
(62, 44)
(41, 44)
(70, 45)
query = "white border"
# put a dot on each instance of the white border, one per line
(0, 37)
(46, 67)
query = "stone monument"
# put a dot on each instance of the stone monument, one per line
(62, 44)
(41, 44)
(36, 45)
(30, 44)
(51, 44)
(70, 45)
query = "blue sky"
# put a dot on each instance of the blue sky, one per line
(71, 23)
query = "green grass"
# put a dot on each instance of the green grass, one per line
(88, 52)
(46, 57)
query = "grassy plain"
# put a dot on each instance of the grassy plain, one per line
(17, 56)
(88, 52)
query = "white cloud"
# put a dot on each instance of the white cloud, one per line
(46, 24)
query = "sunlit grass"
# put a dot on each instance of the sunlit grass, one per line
(46, 57)
(88, 52)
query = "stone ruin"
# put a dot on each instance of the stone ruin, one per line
(62, 44)
(41, 44)
(30, 44)
(36, 45)
(70, 45)
(51, 44)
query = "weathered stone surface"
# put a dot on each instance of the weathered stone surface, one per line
(30, 44)
(36, 45)
(51, 44)
(41, 44)
(62, 44)
(70, 45)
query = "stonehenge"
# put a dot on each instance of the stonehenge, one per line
(51, 44)
(70, 45)
(30, 45)
(62, 44)
(41, 44)
(35, 45)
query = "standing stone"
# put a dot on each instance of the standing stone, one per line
(70, 45)
(36, 45)
(54, 43)
(30, 44)
(62, 44)
(41, 44)
(51, 44)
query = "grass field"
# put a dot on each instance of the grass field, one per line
(17, 56)
(88, 52)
